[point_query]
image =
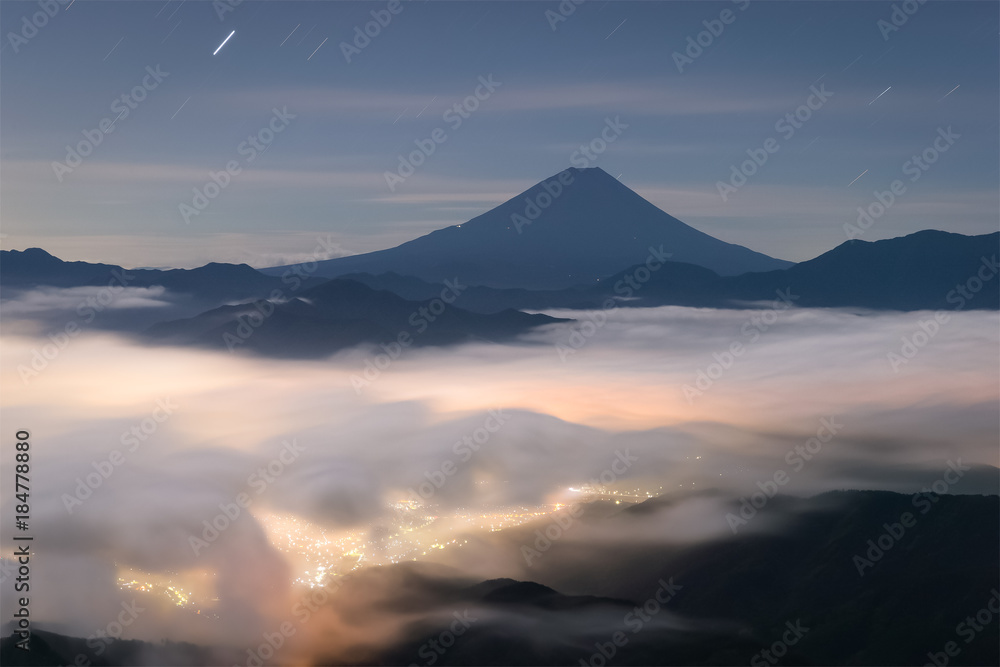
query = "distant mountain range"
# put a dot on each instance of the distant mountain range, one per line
(579, 240)
(339, 314)
(34, 267)
(573, 228)
(926, 270)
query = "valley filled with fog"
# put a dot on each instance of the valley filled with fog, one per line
(353, 468)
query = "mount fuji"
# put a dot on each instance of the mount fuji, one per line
(570, 229)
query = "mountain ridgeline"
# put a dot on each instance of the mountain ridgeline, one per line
(578, 240)
(339, 314)
(573, 228)
(727, 600)
(929, 270)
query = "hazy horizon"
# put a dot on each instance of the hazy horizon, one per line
(886, 93)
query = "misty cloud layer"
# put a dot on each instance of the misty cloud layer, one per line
(195, 427)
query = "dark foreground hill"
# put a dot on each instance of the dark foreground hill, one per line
(916, 593)
(894, 605)
(340, 314)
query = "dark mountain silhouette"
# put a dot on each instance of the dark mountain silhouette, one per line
(583, 227)
(529, 593)
(49, 648)
(674, 283)
(925, 270)
(339, 314)
(213, 282)
(526, 623)
(479, 299)
(930, 270)
(739, 595)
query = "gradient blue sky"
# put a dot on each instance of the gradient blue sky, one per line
(323, 176)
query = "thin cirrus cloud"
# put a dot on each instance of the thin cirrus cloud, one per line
(653, 97)
(641, 97)
(28, 172)
(816, 212)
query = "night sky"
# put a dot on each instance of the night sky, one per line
(346, 123)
